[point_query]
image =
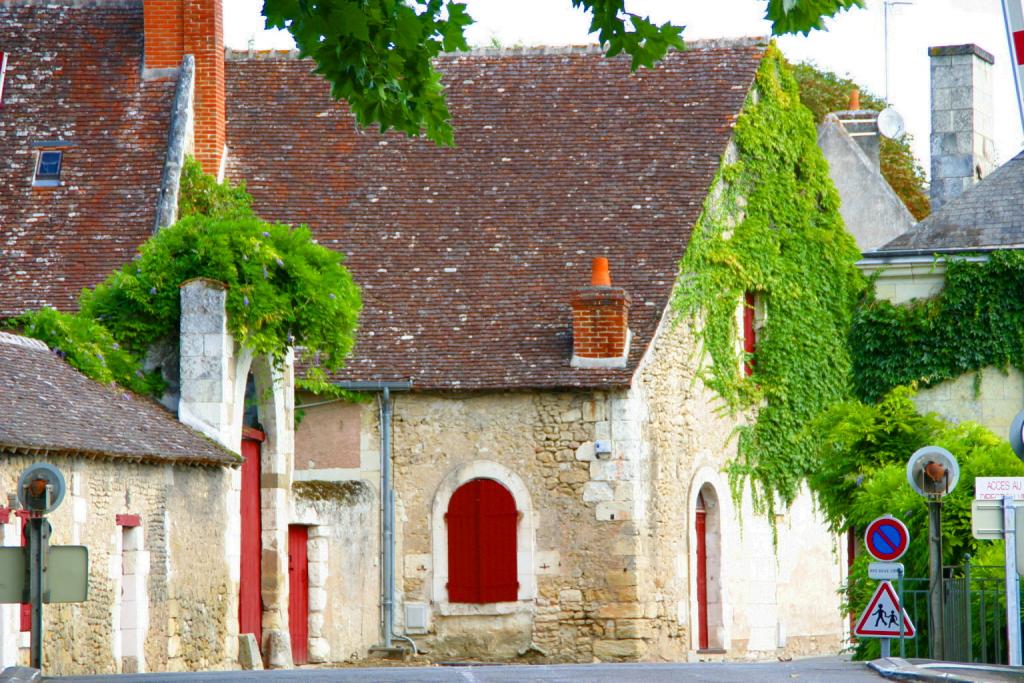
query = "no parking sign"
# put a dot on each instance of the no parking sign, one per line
(886, 539)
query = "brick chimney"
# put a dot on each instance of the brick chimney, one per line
(962, 146)
(174, 28)
(600, 322)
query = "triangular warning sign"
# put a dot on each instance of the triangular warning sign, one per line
(881, 618)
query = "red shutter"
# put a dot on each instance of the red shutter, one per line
(749, 335)
(482, 562)
(498, 518)
(463, 545)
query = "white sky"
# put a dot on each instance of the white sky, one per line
(852, 46)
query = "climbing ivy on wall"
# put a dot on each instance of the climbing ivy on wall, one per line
(771, 226)
(977, 320)
(284, 290)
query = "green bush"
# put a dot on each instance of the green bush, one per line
(860, 474)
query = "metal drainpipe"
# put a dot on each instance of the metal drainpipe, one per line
(387, 500)
(387, 601)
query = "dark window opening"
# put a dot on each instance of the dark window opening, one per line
(482, 558)
(48, 168)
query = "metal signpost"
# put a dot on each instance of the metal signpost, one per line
(992, 520)
(885, 618)
(37, 573)
(886, 539)
(933, 472)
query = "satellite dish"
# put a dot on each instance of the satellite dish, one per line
(932, 471)
(890, 123)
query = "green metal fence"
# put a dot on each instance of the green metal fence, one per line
(974, 614)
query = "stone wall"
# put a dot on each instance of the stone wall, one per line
(182, 606)
(763, 599)
(344, 567)
(992, 399)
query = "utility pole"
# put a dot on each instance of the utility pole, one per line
(886, 5)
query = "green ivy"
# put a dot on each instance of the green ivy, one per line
(771, 225)
(283, 290)
(88, 346)
(976, 321)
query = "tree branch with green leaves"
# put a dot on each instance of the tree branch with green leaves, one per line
(377, 54)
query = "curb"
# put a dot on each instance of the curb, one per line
(20, 674)
(899, 669)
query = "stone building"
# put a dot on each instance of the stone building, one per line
(548, 489)
(977, 210)
(558, 465)
(146, 495)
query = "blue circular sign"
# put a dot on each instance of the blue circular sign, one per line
(886, 539)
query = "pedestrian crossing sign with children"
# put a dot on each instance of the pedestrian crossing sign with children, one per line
(881, 618)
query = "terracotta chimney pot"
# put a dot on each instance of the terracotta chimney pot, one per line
(599, 274)
(855, 100)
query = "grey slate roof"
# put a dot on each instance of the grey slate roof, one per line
(48, 407)
(989, 215)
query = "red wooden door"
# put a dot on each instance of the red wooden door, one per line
(250, 603)
(482, 557)
(702, 579)
(298, 592)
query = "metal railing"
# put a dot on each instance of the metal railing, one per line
(974, 614)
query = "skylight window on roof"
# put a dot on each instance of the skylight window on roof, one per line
(48, 168)
(3, 71)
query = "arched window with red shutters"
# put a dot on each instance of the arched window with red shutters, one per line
(482, 520)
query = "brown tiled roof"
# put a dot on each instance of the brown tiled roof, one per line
(74, 74)
(48, 407)
(468, 257)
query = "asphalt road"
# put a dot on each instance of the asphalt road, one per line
(830, 669)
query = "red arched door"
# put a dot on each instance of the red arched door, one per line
(250, 603)
(482, 559)
(702, 574)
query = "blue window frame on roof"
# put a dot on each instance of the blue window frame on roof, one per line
(48, 168)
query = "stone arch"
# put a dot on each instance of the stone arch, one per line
(526, 529)
(706, 496)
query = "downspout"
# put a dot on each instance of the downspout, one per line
(387, 506)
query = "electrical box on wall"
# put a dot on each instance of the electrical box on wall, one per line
(603, 449)
(416, 617)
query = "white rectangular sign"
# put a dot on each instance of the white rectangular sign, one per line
(885, 571)
(996, 488)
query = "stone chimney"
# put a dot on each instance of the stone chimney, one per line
(209, 386)
(175, 28)
(962, 146)
(600, 322)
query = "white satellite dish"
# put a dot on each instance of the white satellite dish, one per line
(890, 123)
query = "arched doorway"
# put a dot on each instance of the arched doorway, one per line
(707, 570)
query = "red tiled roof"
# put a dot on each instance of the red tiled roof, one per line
(468, 257)
(74, 74)
(47, 406)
